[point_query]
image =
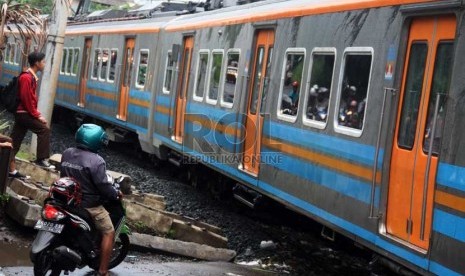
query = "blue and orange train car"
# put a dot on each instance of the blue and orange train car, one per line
(347, 111)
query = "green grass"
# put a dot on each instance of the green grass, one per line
(24, 153)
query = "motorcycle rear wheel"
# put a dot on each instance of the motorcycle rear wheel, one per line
(120, 250)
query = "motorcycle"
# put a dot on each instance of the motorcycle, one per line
(67, 238)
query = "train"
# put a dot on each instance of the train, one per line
(347, 111)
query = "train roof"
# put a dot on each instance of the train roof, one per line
(148, 25)
(276, 9)
(254, 12)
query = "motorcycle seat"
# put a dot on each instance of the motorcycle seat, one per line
(84, 214)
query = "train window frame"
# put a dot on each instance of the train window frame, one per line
(67, 65)
(224, 71)
(194, 96)
(100, 66)
(63, 61)
(137, 85)
(6, 58)
(95, 52)
(169, 55)
(318, 51)
(75, 61)
(19, 53)
(368, 51)
(112, 50)
(279, 114)
(220, 85)
(11, 58)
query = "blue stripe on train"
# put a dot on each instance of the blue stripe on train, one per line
(140, 95)
(101, 116)
(161, 118)
(138, 110)
(451, 176)
(225, 141)
(342, 148)
(93, 84)
(213, 113)
(328, 178)
(68, 79)
(68, 92)
(10, 66)
(99, 100)
(441, 270)
(449, 225)
(7, 75)
(346, 225)
(164, 100)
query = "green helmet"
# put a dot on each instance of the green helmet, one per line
(91, 137)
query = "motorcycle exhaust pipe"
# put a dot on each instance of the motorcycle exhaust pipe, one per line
(64, 255)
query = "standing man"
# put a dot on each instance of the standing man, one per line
(27, 116)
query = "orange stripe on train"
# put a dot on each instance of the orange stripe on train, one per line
(296, 11)
(451, 201)
(323, 160)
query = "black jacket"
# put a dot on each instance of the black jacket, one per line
(89, 169)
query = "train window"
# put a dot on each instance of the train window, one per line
(319, 91)
(69, 63)
(215, 75)
(129, 66)
(201, 75)
(440, 85)
(353, 90)
(257, 77)
(12, 53)
(18, 55)
(142, 70)
(64, 60)
(266, 81)
(112, 69)
(411, 101)
(169, 67)
(291, 83)
(95, 64)
(104, 64)
(7, 53)
(75, 61)
(230, 77)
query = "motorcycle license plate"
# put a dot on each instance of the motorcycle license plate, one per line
(49, 226)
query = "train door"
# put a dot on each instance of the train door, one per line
(414, 159)
(126, 76)
(254, 121)
(181, 91)
(84, 72)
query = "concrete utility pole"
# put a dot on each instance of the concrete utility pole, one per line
(53, 56)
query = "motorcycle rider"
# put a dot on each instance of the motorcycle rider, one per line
(85, 165)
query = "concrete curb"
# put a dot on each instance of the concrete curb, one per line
(189, 249)
(22, 209)
(146, 209)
